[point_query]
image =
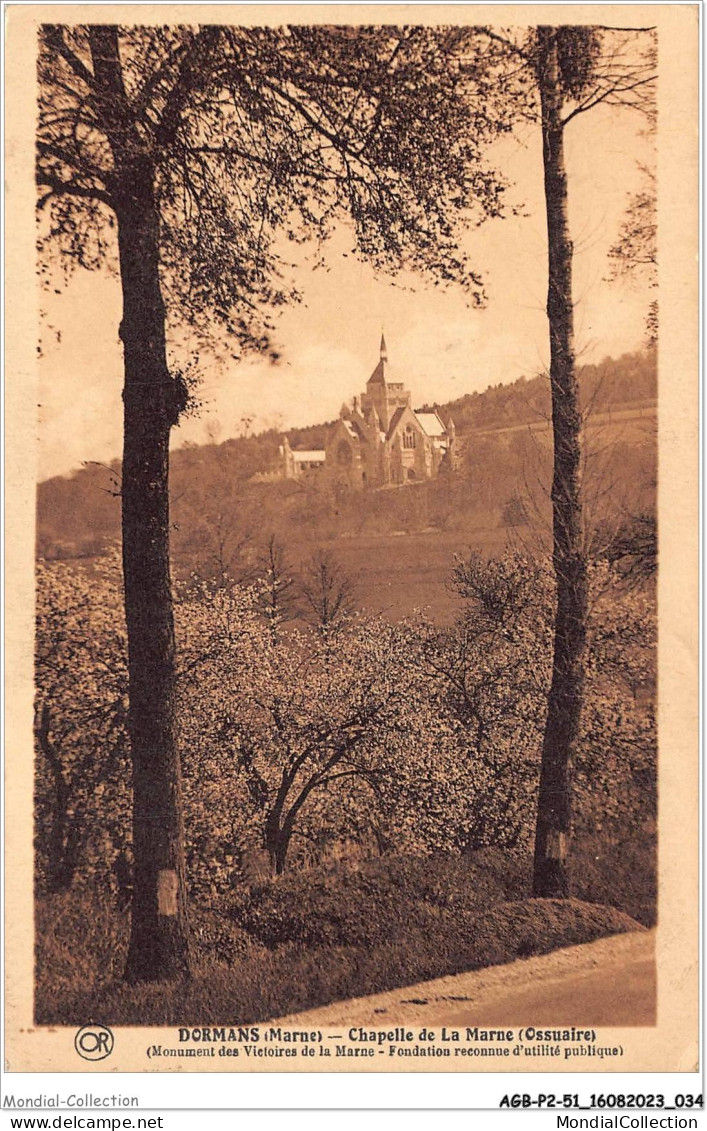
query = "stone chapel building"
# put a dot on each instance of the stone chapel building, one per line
(381, 441)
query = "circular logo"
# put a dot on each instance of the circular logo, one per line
(94, 1042)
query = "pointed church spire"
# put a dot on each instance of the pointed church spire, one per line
(378, 375)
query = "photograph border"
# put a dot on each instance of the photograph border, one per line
(672, 1045)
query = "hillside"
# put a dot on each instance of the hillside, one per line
(611, 385)
(222, 519)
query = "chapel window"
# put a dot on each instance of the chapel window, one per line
(343, 455)
(409, 437)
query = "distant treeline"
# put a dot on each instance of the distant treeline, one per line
(217, 511)
(628, 380)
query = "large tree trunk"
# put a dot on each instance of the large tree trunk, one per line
(159, 941)
(277, 842)
(551, 874)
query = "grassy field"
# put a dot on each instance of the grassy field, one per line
(396, 573)
(630, 424)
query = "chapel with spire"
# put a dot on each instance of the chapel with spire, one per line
(382, 441)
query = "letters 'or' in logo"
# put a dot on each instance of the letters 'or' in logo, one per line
(94, 1042)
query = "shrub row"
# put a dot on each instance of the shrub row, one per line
(311, 938)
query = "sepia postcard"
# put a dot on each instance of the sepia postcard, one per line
(351, 525)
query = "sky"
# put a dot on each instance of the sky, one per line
(329, 343)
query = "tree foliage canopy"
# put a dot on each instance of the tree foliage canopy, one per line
(262, 136)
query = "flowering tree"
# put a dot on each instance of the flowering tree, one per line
(321, 732)
(616, 770)
(409, 737)
(80, 724)
(492, 668)
(496, 665)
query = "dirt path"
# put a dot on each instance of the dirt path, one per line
(611, 982)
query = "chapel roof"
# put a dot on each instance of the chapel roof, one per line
(431, 424)
(354, 429)
(302, 455)
(395, 419)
